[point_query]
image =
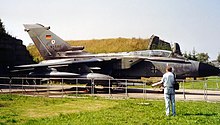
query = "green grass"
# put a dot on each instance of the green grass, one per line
(20, 109)
(92, 110)
(212, 83)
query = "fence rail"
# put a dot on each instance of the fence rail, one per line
(206, 89)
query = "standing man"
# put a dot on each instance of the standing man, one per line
(168, 81)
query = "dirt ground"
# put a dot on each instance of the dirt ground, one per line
(196, 95)
(147, 93)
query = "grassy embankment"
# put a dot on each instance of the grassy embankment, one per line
(101, 46)
(56, 111)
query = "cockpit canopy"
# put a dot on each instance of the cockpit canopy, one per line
(155, 53)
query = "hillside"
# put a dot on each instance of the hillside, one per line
(101, 46)
(112, 45)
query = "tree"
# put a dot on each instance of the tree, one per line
(218, 59)
(2, 28)
(194, 54)
(202, 57)
(185, 55)
(190, 56)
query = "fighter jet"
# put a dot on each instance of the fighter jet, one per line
(73, 61)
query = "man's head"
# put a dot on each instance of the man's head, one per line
(169, 69)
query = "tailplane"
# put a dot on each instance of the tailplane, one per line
(49, 44)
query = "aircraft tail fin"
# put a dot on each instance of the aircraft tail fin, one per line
(48, 43)
(176, 49)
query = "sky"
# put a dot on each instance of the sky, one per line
(194, 24)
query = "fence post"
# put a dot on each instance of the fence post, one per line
(217, 86)
(205, 91)
(144, 90)
(76, 88)
(109, 89)
(126, 90)
(10, 81)
(193, 84)
(62, 87)
(184, 95)
(48, 88)
(34, 81)
(22, 86)
(92, 87)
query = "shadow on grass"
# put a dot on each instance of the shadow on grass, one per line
(200, 114)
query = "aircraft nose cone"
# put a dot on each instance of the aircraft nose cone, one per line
(208, 70)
